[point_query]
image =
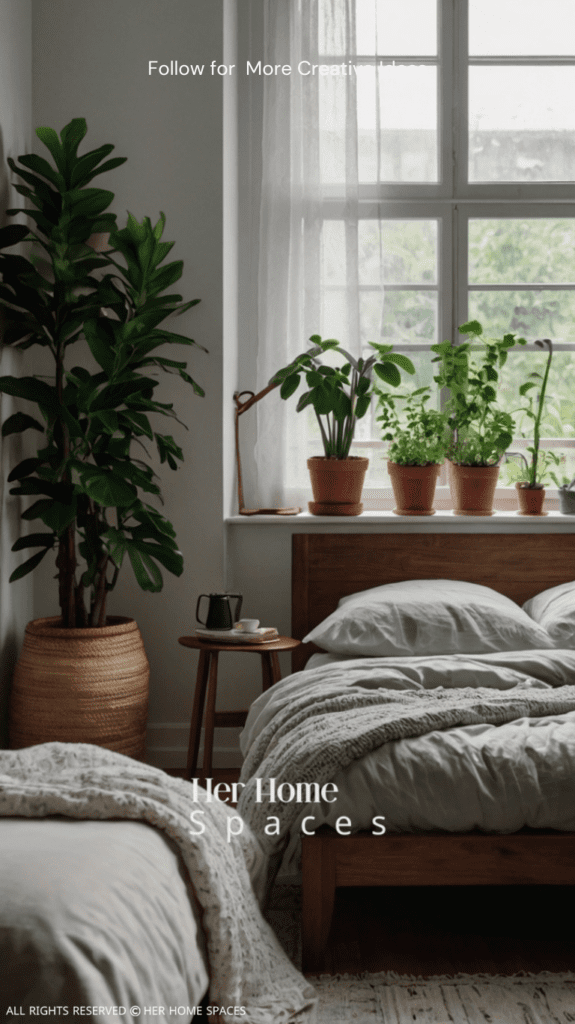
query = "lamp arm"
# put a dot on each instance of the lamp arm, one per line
(242, 407)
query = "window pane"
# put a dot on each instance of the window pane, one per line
(398, 251)
(559, 411)
(529, 314)
(521, 27)
(539, 250)
(397, 107)
(521, 124)
(396, 27)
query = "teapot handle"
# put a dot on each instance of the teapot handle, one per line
(198, 609)
(238, 605)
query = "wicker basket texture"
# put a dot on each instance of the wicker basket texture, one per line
(81, 686)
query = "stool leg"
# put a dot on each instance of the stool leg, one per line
(198, 711)
(270, 669)
(210, 715)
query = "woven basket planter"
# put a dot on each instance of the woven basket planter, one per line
(81, 686)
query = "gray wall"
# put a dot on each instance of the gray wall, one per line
(15, 135)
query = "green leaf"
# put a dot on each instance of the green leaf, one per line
(290, 385)
(527, 387)
(401, 360)
(72, 135)
(27, 566)
(116, 394)
(472, 327)
(12, 234)
(388, 372)
(108, 489)
(18, 422)
(24, 469)
(362, 405)
(31, 389)
(34, 540)
(146, 572)
(50, 139)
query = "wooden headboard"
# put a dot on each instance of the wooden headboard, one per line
(327, 566)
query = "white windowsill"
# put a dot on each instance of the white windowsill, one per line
(442, 522)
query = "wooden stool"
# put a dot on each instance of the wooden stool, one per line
(208, 670)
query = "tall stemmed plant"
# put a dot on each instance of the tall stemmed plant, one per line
(88, 484)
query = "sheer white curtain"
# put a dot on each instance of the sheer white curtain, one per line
(310, 155)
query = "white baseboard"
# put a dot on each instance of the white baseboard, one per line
(167, 746)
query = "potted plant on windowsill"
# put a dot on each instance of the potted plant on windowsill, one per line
(339, 396)
(82, 676)
(531, 491)
(480, 432)
(416, 452)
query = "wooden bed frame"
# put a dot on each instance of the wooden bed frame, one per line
(326, 567)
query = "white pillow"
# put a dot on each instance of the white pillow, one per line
(554, 610)
(427, 617)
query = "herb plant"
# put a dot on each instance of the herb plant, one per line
(419, 437)
(89, 481)
(339, 395)
(481, 432)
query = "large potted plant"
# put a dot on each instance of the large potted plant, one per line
(83, 675)
(480, 431)
(418, 442)
(339, 396)
(531, 490)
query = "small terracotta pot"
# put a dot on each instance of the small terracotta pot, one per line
(81, 686)
(413, 488)
(472, 489)
(530, 500)
(337, 485)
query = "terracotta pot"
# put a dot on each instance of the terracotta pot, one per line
(472, 489)
(81, 686)
(566, 502)
(530, 500)
(337, 485)
(413, 488)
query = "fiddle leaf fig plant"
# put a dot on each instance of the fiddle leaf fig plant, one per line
(481, 432)
(339, 396)
(91, 480)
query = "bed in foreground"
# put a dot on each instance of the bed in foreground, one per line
(467, 669)
(113, 897)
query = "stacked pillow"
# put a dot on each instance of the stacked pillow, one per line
(426, 617)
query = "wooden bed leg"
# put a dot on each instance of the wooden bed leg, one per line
(318, 895)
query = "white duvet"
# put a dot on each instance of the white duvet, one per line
(493, 777)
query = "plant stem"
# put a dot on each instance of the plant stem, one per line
(536, 429)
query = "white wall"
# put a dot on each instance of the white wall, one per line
(15, 135)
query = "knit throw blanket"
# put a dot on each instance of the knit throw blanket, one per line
(247, 965)
(327, 725)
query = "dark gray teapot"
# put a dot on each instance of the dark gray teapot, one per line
(219, 611)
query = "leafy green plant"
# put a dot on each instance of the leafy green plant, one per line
(538, 466)
(481, 432)
(89, 485)
(419, 437)
(339, 395)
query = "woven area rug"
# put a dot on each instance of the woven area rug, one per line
(389, 999)
(393, 999)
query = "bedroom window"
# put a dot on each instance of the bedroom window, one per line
(430, 181)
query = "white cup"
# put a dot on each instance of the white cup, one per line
(247, 625)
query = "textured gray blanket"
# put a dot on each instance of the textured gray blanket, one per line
(324, 726)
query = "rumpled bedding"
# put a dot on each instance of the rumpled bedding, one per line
(454, 742)
(88, 961)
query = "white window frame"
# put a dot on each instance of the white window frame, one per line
(453, 201)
